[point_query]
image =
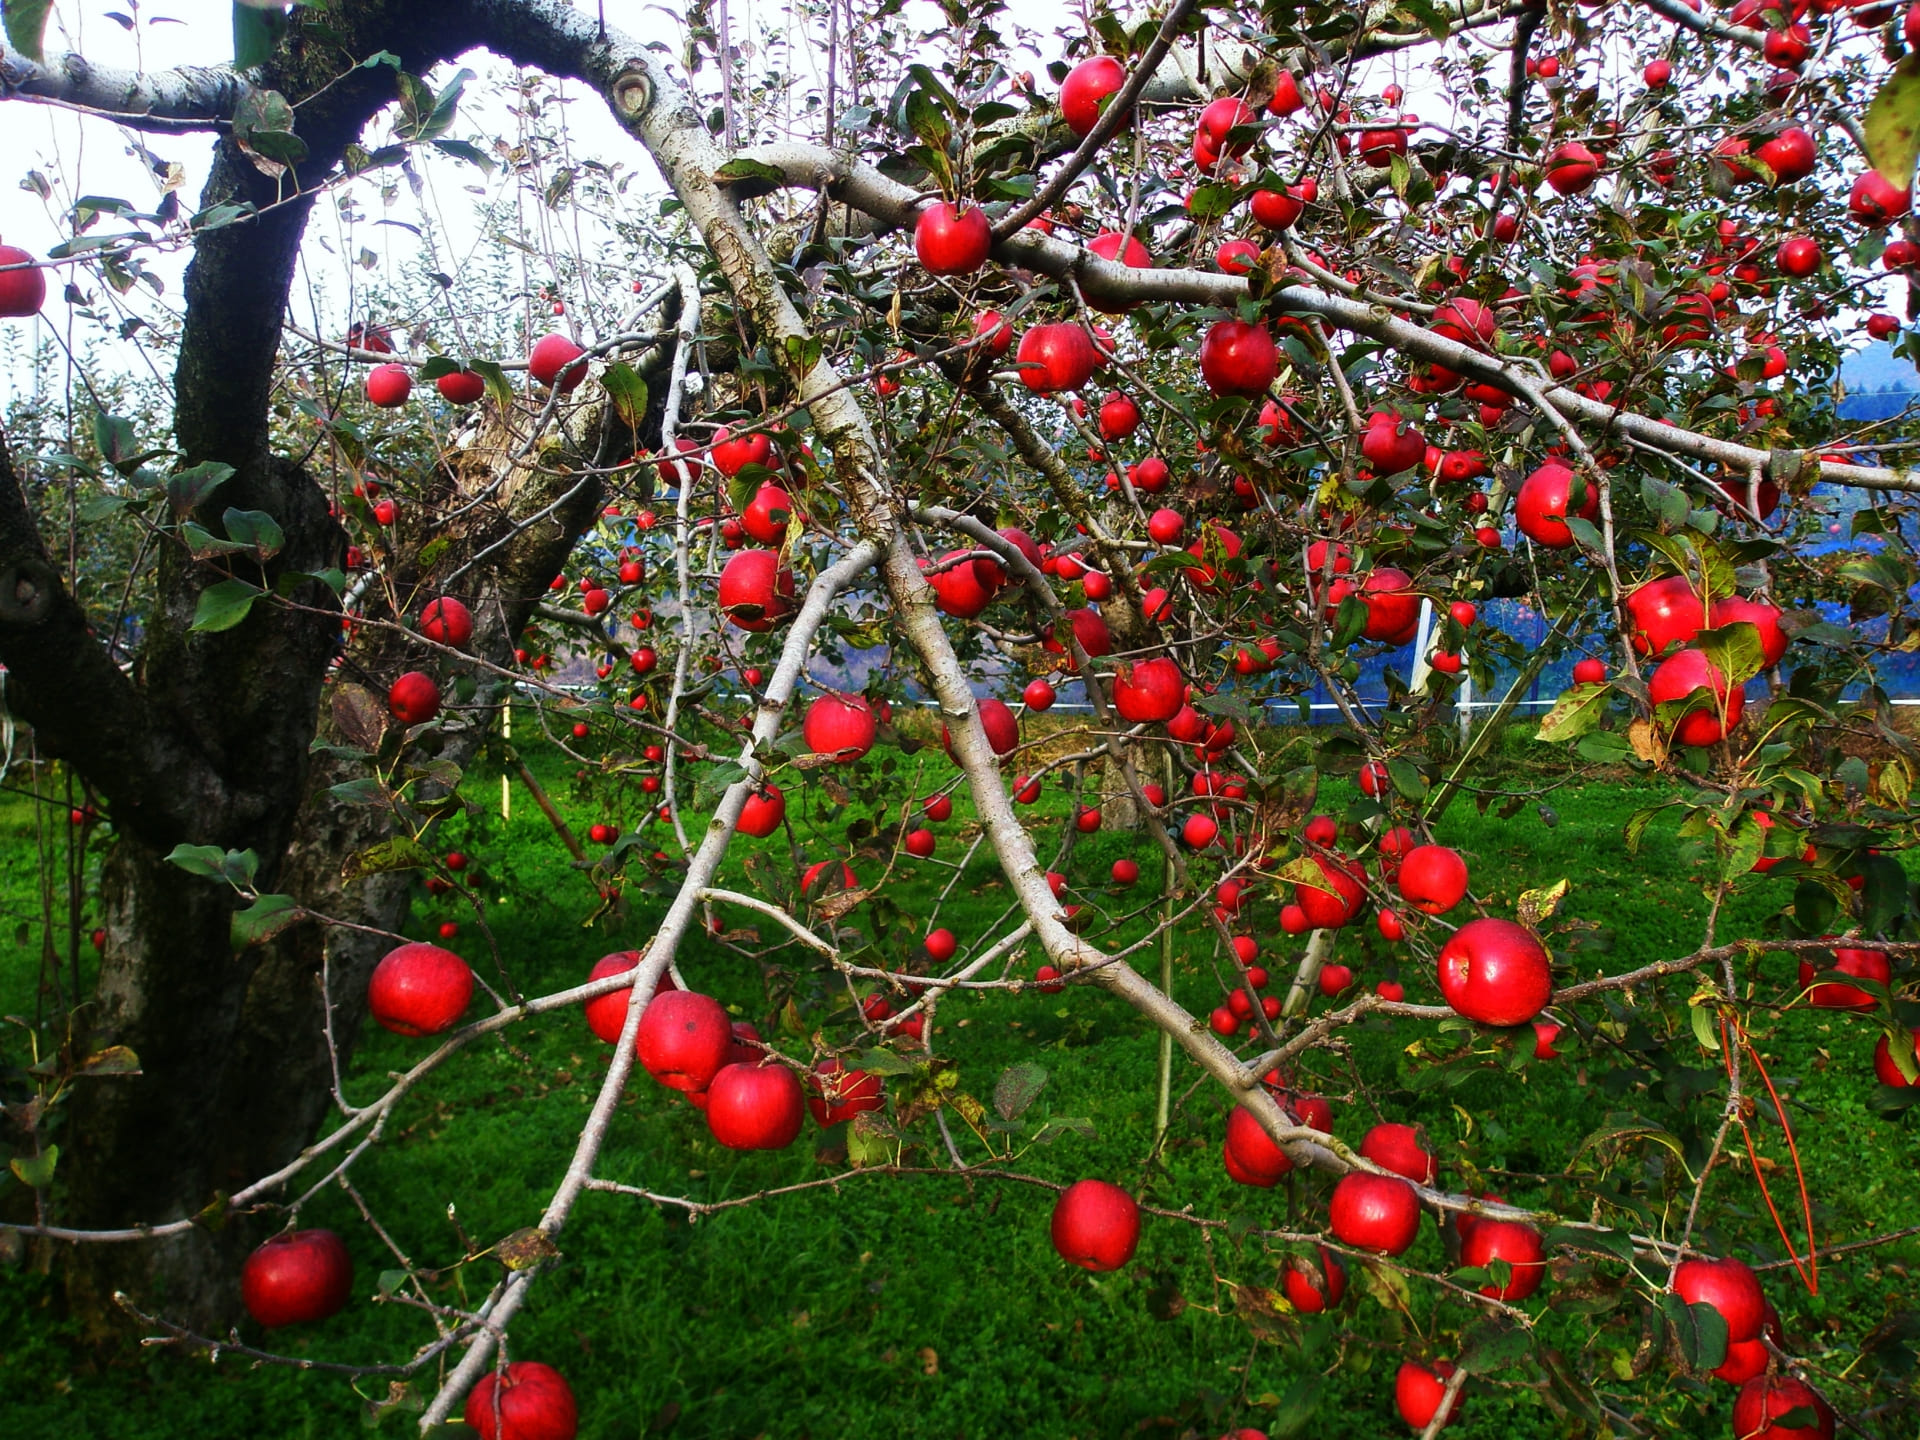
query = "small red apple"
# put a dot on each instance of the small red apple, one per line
(419, 989)
(296, 1277)
(1095, 1225)
(532, 1402)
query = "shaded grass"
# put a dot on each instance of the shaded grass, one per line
(936, 1307)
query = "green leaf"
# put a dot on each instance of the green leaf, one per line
(1700, 1329)
(26, 22)
(224, 605)
(741, 168)
(36, 1170)
(115, 437)
(113, 1060)
(1705, 1030)
(364, 791)
(266, 917)
(255, 530)
(628, 392)
(1575, 713)
(1407, 779)
(467, 151)
(1491, 1345)
(257, 32)
(1892, 124)
(1297, 1407)
(499, 388)
(1017, 1088)
(1734, 650)
(402, 852)
(197, 859)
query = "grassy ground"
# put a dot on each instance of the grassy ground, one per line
(930, 1307)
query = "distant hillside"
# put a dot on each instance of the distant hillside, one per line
(1879, 384)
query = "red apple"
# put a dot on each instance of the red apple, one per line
(1730, 1287)
(1150, 692)
(1433, 878)
(24, 291)
(1086, 86)
(1680, 675)
(1664, 613)
(1331, 905)
(940, 945)
(836, 1093)
(1253, 1151)
(419, 989)
(1513, 1241)
(414, 698)
(951, 240)
(445, 621)
(755, 1107)
(1375, 1212)
(1571, 168)
(1238, 358)
(1540, 509)
(756, 590)
(389, 385)
(461, 387)
(1418, 1391)
(532, 1402)
(684, 1039)
(1495, 972)
(1312, 1289)
(1095, 1225)
(550, 355)
(1390, 444)
(1884, 1068)
(764, 811)
(1056, 357)
(607, 1014)
(1766, 1398)
(295, 1277)
(1731, 609)
(842, 726)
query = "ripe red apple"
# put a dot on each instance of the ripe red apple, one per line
(1664, 613)
(684, 1039)
(1799, 255)
(1150, 692)
(951, 240)
(755, 1107)
(1680, 675)
(1657, 74)
(1513, 1241)
(763, 813)
(756, 590)
(1390, 444)
(419, 989)
(1314, 1289)
(446, 621)
(1766, 1398)
(937, 808)
(1237, 257)
(550, 355)
(295, 1277)
(1330, 905)
(1217, 122)
(1571, 168)
(1393, 606)
(414, 698)
(940, 945)
(1589, 671)
(461, 387)
(1884, 1068)
(1401, 1149)
(24, 291)
(1433, 878)
(1086, 85)
(1867, 964)
(1238, 358)
(1745, 1359)
(920, 843)
(1055, 357)
(1789, 154)
(1876, 201)
(1418, 1391)
(1730, 1287)
(607, 1014)
(389, 385)
(1540, 509)
(1038, 696)
(1494, 972)
(1731, 609)
(1095, 1225)
(532, 1402)
(842, 726)
(765, 517)
(1375, 1212)
(837, 1093)
(1258, 1160)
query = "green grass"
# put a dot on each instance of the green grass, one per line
(932, 1307)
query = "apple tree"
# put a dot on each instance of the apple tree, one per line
(1185, 378)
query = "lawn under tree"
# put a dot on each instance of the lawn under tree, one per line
(655, 773)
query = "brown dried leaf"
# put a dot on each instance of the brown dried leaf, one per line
(359, 717)
(524, 1249)
(1646, 742)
